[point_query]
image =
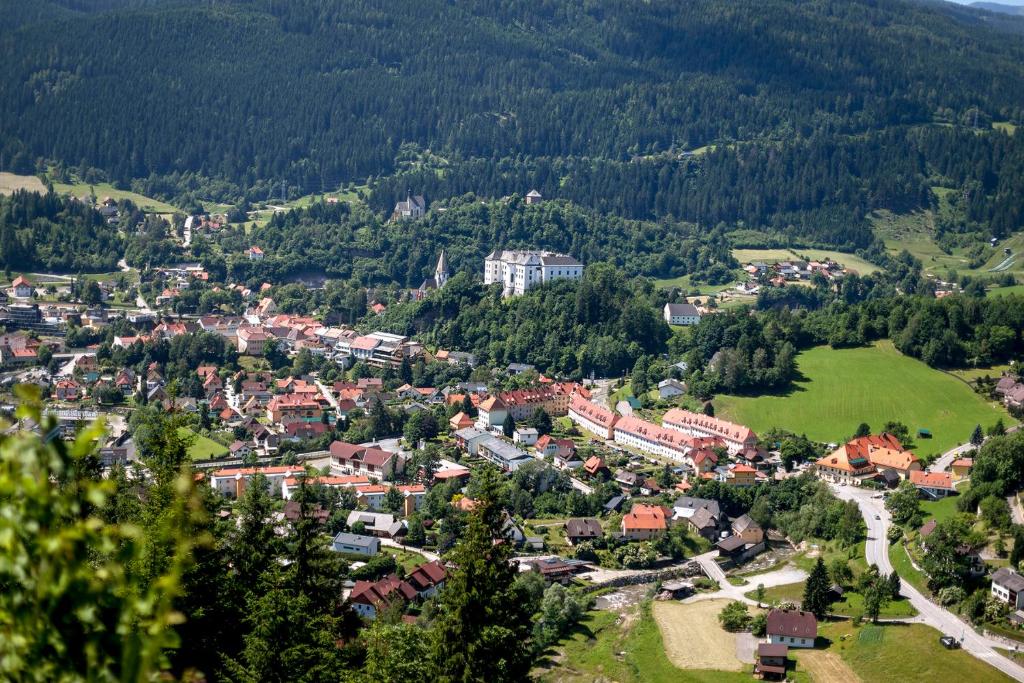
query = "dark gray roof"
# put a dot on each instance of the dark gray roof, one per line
(1008, 578)
(692, 503)
(682, 309)
(744, 522)
(730, 543)
(354, 539)
(588, 527)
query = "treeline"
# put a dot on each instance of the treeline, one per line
(342, 86)
(47, 232)
(599, 324)
(340, 241)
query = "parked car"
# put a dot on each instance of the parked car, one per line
(949, 642)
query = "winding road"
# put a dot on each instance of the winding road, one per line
(877, 553)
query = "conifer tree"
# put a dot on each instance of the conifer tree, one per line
(816, 590)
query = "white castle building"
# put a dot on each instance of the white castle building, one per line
(518, 271)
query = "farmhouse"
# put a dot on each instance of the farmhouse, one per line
(681, 314)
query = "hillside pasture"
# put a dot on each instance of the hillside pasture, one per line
(775, 255)
(840, 388)
(11, 183)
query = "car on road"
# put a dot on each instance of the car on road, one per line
(877, 517)
(949, 642)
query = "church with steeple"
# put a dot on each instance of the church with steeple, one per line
(439, 280)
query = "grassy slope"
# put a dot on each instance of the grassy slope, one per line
(107, 190)
(592, 652)
(842, 388)
(903, 652)
(851, 605)
(901, 564)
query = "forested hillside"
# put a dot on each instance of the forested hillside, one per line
(817, 111)
(50, 233)
(344, 242)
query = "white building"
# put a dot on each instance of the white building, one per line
(518, 271)
(681, 314)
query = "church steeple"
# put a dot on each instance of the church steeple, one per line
(441, 272)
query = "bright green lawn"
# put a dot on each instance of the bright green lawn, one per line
(202, 447)
(942, 509)
(683, 282)
(903, 652)
(407, 559)
(902, 566)
(107, 190)
(1005, 291)
(843, 387)
(591, 653)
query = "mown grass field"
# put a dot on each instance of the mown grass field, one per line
(943, 509)
(683, 282)
(851, 605)
(901, 652)
(626, 648)
(10, 183)
(202, 448)
(775, 255)
(840, 388)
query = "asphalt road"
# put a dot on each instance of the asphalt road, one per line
(877, 553)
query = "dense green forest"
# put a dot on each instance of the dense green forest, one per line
(54, 234)
(817, 112)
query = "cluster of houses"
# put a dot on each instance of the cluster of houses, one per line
(793, 270)
(881, 458)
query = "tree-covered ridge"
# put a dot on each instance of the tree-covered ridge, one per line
(47, 232)
(817, 190)
(313, 92)
(345, 242)
(601, 323)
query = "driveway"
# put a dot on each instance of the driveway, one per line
(779, 577)
(877, 553)
(431, 557)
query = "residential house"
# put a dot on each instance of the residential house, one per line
(1008, 587)
(427, 578)
(501, 453)
(21, 288)
(460, 421)
(377, 524)
(526, 436)
(670, 388)
(705, 522)
(594, 465)
(741, 475)
(255, 253)
(584, 529)
(533, 197)
(746, 528)
(686, 506)
(373, 462)
(794, 628)
(470, 438)
(355, 544)
(961, 468)
(644, 522)
(935, 485)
